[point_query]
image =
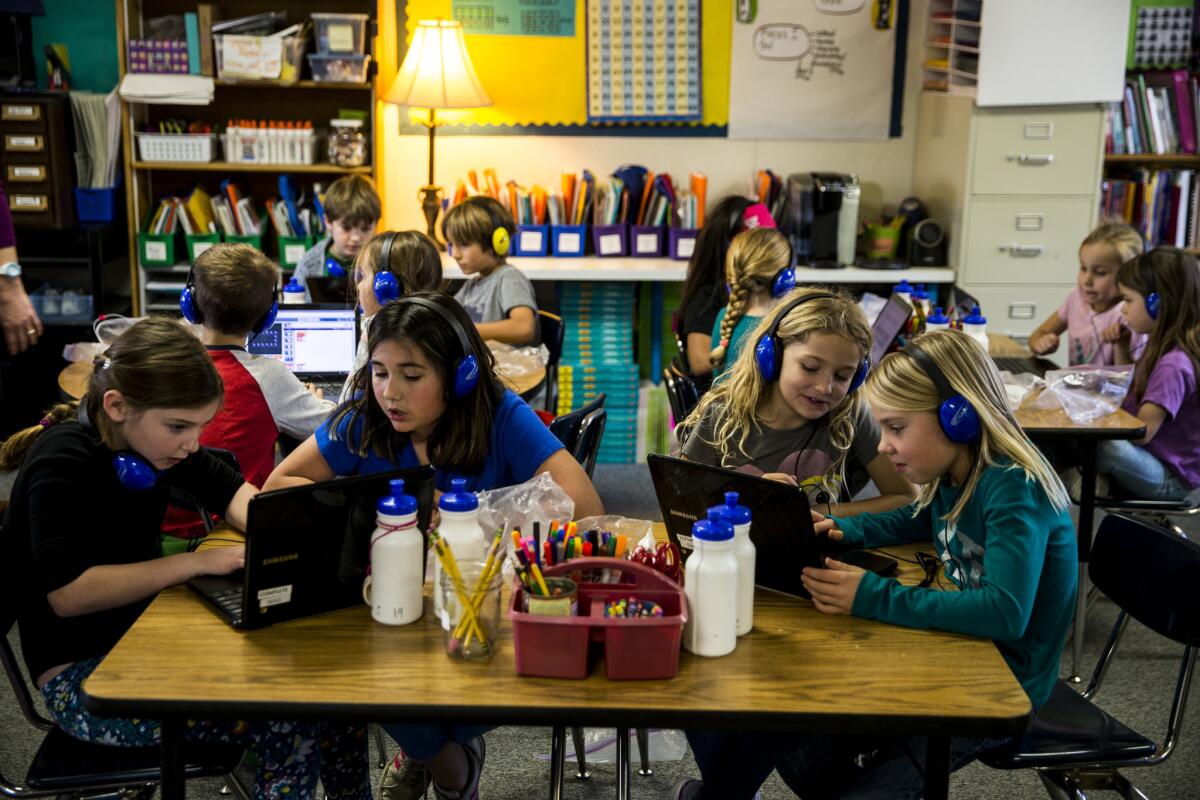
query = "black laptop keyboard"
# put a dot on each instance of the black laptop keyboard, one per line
(230, 601)
(1017, 365)
(331, 389)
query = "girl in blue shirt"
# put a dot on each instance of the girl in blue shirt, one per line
(429, 394)
(996, 514)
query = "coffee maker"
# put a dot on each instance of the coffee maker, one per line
(822, 218)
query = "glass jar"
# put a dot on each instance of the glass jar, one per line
(347, 143)
(471, 634)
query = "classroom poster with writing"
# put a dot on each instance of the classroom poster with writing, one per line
(643, 60)
(516, 17)
(827, 66)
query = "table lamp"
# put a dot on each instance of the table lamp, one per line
(436, 74)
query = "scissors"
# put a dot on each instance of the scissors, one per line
(665, 558)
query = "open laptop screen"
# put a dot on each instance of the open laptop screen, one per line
(317, 341)
(888, 325)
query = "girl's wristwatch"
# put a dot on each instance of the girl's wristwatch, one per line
(10, 270)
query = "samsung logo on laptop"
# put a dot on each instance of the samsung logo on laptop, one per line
(684, 514)
(280, 559)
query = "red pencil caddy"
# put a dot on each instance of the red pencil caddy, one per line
(639, 648)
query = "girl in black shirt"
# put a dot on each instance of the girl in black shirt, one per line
(81, 537)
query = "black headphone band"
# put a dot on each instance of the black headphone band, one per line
(445, 314)
(385, 257)
(787, 309)
(930, 367)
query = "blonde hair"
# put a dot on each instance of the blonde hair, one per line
(735, 401)
(900, 383)
(755, 257)
(1124, 239)
(413, 258)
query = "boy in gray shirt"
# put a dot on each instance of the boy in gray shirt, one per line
(497, 296)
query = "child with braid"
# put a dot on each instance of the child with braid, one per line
(758, 269)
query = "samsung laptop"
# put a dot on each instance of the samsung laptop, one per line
(307, 548)
(781, 523)
(317, 343)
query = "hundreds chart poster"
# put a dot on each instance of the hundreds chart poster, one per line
(827, 66)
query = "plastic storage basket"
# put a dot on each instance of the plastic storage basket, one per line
(637, 648)
(176, 146)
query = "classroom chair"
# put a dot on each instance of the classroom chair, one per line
(681, 393)
(591, 433)
(1149, 573)
(67, 766)
(1161, 512)
(553, 332)
(566, 426)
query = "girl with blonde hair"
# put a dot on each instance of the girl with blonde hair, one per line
(996, 514)
(758, 269)
(788, 409)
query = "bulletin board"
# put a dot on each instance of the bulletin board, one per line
(542, 81)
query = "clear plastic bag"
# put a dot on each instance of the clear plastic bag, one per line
(1018, 387)
(517, 362)
(1086, 394)
(636, 530)
(539, 499)
(600, 746)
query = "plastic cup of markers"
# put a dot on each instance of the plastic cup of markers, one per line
(562, 601)
(471, 636)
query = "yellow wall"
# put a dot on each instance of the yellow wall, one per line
(884, 167)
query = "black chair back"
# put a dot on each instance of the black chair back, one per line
(1151, 573)
(681, 394)
(566, 426)
(591, 433)
(553, 332)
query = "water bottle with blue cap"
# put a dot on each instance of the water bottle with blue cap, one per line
(459, 528)
(745, 554)
(937, 321)
(975, 326)
(394, 587)
(293, 292)
(711, 585)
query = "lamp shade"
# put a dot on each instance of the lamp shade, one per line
(437, 71)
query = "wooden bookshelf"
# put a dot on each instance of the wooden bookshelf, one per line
(1175, 159)
(323, 85)
(225, 166)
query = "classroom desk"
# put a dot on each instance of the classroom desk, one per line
(524, 377)
(797, 670)
(523, 374)
(1055, 424)
(657, 271)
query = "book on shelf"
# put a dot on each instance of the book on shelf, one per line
(1158, 115)
(1163, 204)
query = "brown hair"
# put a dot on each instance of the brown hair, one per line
(235, 286)
(413, 258)
(474, 220)
(754, 258)
(352, 201)
(157, 363)
(1171, 274)
(462, 437)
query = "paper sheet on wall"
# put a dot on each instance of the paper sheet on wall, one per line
(516, 17)
(826, 64)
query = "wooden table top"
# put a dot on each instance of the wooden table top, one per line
(798, 668)
(1001, 345)
(521, 374)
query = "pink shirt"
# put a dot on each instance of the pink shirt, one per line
(1085, 328)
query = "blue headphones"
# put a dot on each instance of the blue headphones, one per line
(191, 309)
(388, 286)
(783, 282)
(768, 352)
(957, 417)
(133, 472)
(466, 369)
(1152, 305)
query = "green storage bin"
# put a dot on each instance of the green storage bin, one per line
(156, 249)
(292, 249)
(253, 240)
(198, 243)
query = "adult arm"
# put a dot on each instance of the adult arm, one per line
(17, 317)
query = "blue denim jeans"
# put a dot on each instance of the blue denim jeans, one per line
(422, 742)
(1137, 472)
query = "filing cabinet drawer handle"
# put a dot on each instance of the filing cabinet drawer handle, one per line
(1023, 250)
(1031, 221)
(1032, 159)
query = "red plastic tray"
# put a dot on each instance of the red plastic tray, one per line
(638, 648)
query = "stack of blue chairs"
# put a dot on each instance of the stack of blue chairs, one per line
(598, 358)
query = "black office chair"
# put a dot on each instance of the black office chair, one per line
(66, 766)
(681, 394)
(566, 427)
(1073, 744)
(1160, 512)
(553, 332)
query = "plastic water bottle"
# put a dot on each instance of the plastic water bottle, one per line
(904, 289)
(710, 585)
(395, 586)
(459, 529)
(745, 553)
(975, 326)
(937, 321)
(293, 292)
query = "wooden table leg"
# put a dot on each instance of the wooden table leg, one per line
(937, 768)
(172, 758)
(623, 765)
(1087, 513)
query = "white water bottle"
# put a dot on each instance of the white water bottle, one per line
(937, 321)
(745, 554)
(459, 529)
(710, 585)
(293, 292)
(394, 588)
(975, 326)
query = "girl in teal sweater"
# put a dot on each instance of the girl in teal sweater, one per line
(997, 516)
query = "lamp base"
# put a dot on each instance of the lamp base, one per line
(431, 206)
